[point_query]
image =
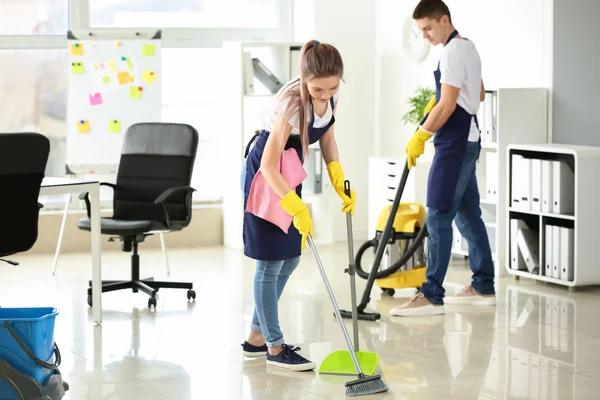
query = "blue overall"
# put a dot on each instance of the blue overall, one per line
(262, 239)
(452, 192)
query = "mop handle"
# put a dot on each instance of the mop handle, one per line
(334, 303)
(351, 270)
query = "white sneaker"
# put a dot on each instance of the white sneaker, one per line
(470, 296)
(417, 307)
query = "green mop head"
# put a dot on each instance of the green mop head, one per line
(365, 385)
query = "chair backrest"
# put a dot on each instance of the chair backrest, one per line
(154, 158)
(23, 158)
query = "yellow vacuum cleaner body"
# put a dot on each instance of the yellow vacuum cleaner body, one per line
(409, 218)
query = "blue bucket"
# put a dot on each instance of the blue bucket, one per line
(34, 327)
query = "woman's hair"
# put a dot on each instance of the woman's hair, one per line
(317, 60)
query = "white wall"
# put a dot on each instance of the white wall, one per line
(515, 48)
(349, 25)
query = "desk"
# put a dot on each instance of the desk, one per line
(52, 186)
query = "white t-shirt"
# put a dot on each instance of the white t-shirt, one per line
(460, 66)
(294, 121)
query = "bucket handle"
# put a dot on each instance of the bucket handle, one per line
(39, 362)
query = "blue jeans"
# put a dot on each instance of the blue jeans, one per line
(269, 281)
(467, 213)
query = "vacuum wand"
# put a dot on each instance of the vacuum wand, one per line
(383, 241)
(355, 314)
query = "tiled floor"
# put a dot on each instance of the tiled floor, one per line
(539, 342)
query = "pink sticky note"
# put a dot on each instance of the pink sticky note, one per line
(95, 99)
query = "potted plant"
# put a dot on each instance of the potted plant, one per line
(414, 115)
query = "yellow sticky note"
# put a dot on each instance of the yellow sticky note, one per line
(148, 50)
(124, 78)
(106, 79)
(135, 92)
(114, 126)
(77, 68)
(112, 66)
(149, 76)
(83, 126)
(76, 49)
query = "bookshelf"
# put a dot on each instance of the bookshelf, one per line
(566, 258)
(506, 116)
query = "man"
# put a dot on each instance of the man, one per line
(452, 192)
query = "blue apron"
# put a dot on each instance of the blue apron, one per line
(450, 143)
(262, 239)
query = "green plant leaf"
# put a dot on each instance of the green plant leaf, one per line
(417, 104)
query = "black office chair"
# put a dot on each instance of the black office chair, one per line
(152, 194)
(23, 158)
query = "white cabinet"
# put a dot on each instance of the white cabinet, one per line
(565, 223)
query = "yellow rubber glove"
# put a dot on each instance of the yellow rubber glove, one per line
(429, 105)
(294, 206)
(416, 146)
(336, 176)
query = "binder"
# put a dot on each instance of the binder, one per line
(536, 185)
(266, 77)
(481, 122)
(491, 175)
(556, 251)
(563, 188)
(547, 186)
(566, 254)
(248, 74)
(313, 184)
(548, 250)
(516, 258)
(515, 187)
(529, 242)
(488, 104)
(524, 174)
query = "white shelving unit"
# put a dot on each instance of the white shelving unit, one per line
(247, 102)
(568, 262)
(507, 116)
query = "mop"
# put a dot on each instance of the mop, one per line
(339, 362)
(364, 385)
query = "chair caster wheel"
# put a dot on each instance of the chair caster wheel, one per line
(389, 292)
(89, 301)
(152, 302)
(191, 294)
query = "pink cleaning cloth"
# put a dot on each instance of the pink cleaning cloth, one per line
(262, 199)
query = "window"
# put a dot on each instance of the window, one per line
(184, 13)
(34, 17)
(34, 84)
(191, 94)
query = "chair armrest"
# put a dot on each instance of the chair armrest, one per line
(168, 193)
(85, 196)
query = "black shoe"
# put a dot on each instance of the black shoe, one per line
(289, 359)
(252, 351)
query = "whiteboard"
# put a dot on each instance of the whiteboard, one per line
(114, 82)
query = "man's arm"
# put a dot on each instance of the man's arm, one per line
(443, 109)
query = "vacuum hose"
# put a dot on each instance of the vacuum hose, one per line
(395, 266)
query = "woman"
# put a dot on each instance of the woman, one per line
(303, 114)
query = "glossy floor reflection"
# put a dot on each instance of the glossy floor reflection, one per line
(539, 342)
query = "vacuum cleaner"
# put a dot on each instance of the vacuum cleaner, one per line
(401, 233)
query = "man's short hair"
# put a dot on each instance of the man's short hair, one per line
(434, 9)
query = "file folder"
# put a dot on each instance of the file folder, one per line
(556, 251)
(548, 250)
(491, 175)
(516, 258)
(488, 104)
(566, 254)
(529, 243)
(547, 186)
(563, 188)
(536, 185)
(523, 173)
(515, 187)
